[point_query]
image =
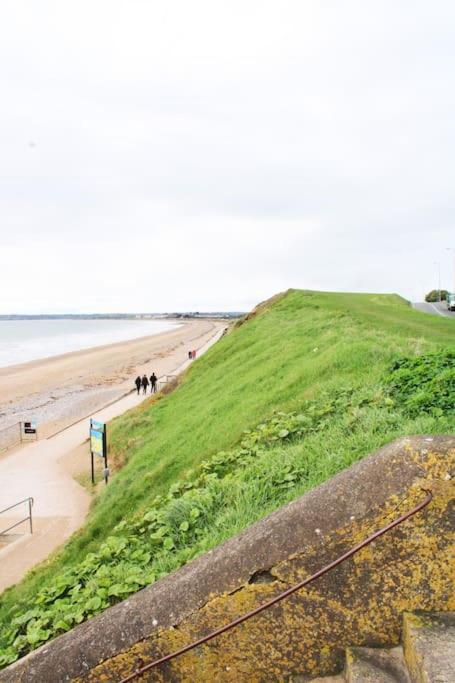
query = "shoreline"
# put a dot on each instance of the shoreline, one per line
(6, 369)
(58, 390)
(55, 470)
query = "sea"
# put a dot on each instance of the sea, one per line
(26, 340)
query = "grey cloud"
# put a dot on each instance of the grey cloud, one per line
(287, 144)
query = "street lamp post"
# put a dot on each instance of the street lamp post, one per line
(436, 263)
(452, 249)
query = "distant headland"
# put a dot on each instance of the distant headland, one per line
(124, 316)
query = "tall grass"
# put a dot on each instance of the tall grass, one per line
(303, 345)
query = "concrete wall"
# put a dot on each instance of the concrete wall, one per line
(358, 603)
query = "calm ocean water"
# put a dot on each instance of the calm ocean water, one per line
(25, 340)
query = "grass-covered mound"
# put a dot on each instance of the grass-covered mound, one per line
(292, 396)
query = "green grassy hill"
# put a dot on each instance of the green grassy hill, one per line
(291, 396)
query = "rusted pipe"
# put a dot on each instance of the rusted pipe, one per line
(284, 594)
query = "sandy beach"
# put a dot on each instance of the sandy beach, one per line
(67, 388)
(60, 390)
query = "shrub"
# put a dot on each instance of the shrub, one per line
(436, 295)
(425, 383)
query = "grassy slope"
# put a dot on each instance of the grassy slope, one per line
(304, 343)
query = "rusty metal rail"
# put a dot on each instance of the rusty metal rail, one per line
(284, 594)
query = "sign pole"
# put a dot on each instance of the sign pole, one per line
(93, 467)
(106, 469)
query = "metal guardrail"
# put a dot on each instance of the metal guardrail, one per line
(284, 594)
(10, 436)
(30, 502)
(15, 434)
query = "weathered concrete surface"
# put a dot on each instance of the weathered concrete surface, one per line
(429, 645)
(372, 665)
(429, 639)
(360, 602)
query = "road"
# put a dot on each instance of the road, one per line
(60, 503)
(435, 309)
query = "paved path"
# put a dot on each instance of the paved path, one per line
(435, 309)
(60, 503)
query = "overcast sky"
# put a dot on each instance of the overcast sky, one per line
(207, 154)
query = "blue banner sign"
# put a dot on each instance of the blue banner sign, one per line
(97, 426)
(96, 443)
(97, 438)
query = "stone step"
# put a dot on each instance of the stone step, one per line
(373, 665)
(429, 646)
(325, 679)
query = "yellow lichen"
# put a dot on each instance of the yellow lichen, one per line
(358, 603)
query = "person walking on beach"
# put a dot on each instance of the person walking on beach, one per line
(153, 381)
(137, 382)
(145, 383)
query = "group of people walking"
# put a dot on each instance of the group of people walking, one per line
(145, 383)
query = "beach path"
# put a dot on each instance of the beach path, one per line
(60, 503)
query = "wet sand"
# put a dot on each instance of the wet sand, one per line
(58, 391)
(50, 469)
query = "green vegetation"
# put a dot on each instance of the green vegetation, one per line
(84, 479)
(425, 384)
(436, 295)
(294, 395)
